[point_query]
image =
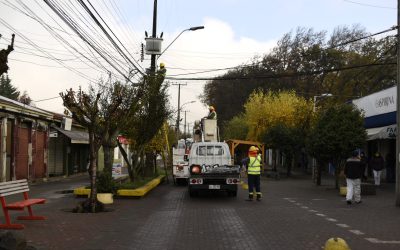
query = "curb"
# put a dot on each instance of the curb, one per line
(138, 192)
(55, 179)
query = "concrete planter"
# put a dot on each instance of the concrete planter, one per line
(105, 198)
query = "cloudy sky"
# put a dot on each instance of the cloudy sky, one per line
(49, 57)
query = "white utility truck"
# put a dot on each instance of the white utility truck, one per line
(210, 161)
(180, 162)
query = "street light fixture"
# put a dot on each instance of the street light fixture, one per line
(320, 96)
(190, 29)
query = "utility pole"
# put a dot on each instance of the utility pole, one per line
(179, 108)
(398, 110)
(185, 126)
(154, 35)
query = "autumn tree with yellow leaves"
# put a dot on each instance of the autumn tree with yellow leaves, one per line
(264, 110)
(279, 119)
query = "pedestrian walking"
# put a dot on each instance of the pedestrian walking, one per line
(377, 164)
(390, 167)
(254, 173)
(364, 162)
(352, 171)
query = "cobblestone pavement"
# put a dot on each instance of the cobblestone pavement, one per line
(294, 214)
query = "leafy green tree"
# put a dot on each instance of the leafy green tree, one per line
(293, 63)
(117, 102)
(337, 132)
(286, 139)
(142, 127)
(236, 128)
(7, 89)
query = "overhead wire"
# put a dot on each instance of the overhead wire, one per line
(135, 65)
(282, 75)
(328, 48)
(63, 41)
(66, 20)
(38, 48)
(369, 5)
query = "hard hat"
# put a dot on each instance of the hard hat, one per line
(211, 108)
(253, 148)
(162, 65)
(336, 244)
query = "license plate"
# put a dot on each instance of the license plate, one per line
(214, 187)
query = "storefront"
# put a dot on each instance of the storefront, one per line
(380, 121)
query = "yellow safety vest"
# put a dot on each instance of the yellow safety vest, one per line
(254, 167)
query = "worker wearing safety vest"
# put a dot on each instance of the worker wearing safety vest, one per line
(212, 114)
(254, 173)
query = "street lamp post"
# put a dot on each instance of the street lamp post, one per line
(190, 29)
(179, 115)
(315, 173)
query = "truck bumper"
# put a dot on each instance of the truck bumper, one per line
(231, 187)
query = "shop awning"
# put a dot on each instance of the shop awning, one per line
(77, 137)
(386, 132)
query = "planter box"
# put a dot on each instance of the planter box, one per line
(138, 192)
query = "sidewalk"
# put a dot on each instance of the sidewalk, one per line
(169, 218)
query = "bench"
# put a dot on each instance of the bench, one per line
(15, 187)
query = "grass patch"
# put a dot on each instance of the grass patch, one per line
(139, 181)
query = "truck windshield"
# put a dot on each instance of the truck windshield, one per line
(209, 150)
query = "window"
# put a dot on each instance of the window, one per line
(201, 150)
(210, 150)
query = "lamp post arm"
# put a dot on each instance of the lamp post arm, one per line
(172, 42)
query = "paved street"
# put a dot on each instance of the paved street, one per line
(293, 215)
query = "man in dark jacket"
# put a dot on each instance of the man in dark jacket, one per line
(377, 164)
(352, 170)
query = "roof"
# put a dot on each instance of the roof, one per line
(77, 137)
(8, 104)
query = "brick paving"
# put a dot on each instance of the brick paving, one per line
(294, 214)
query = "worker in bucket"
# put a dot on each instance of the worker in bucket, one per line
(254, 173)
(212, 114)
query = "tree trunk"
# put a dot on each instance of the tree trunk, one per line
(289, 162)
(94, 147)
(319, 169)
(136, 163)
(109, 143)
(149, 164)
(273, 160)
(108, 158)
(125, 156)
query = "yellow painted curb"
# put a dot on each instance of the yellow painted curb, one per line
(142, 191)
(82, 191)
(138, 192)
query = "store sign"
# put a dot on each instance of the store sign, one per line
(378, 103)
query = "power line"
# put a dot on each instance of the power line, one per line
(38, 48)
(303, 55)
(109, 36)
(276, 76)
(370, 5)
(74, 27)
